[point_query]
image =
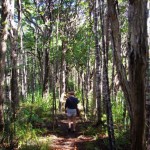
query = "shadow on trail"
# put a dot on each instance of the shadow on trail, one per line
(64, 140)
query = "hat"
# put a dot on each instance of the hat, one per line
(71, 93)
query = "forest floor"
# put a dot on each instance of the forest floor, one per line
(87, 137)
(64, 140)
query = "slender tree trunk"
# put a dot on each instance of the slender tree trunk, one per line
(94, 90)
(3, 48)
(47, 33)
(46, 73)
(148, 106)
(83, 96)
(22, 55)
(106, 97)
(148, 91)
(87, 80)
(97, 55)
(79, 80)
(106, 89)
(54, 89)
(32, 88)
(63, 74)
(14, 72)
(113, 91)
(14, 56)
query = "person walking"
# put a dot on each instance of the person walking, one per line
(71, 107)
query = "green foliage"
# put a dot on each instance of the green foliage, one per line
(121, 125)
(36, 112)
(32, 116)
(70, 85)
(80, 46)
(104, 118)
(39, 144)
(122, 139)
(117, 108)
(91, 131)
(29, 40)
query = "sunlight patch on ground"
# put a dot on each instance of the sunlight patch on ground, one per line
(38, 143)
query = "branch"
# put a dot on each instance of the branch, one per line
(30, 20)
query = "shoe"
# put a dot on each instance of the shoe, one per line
(73, 131)
(69, 130)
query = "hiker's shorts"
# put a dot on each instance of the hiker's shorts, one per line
(71, 112)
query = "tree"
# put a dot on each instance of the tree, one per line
(21, 54)
(47, 34)
(105, 79)
(134, 88)
(3, 48)
(14, 56)
(98, 63)
(137, 65)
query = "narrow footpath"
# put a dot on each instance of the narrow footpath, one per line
(64, 140)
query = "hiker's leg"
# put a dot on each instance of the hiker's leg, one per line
(69, 122)
(74, 123)
(74, 120)
(69, 119)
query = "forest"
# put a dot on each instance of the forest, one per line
(97, 48)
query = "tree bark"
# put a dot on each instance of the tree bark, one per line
(14, 56)
(148, 91)
(148, 106)
(46, 73)
(105, 80)
(134, 89)
(3, 48)
(63, 74)
(22, 55)
(137, 69)
(47, 34)
(97, 56)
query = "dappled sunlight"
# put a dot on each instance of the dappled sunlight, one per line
(60, 139)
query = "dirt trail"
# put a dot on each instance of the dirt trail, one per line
(62, 140)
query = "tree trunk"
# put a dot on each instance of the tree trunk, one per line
(22, 55)
(148, 106)
(83, 96)
(134, 90)
(87, 81)
(116, 45)
(46, 73)
(63, 74)
(14, 56)
(97, 55)
(137, 69)
(47, 34)
(105, 80)
(3, 48)
(106, 97)
(148, 91)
